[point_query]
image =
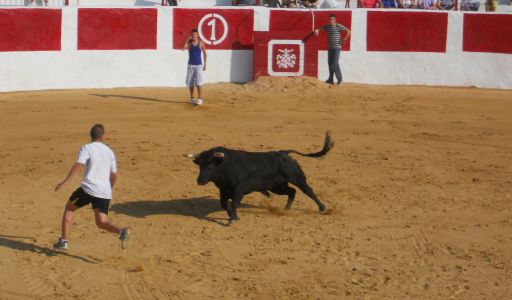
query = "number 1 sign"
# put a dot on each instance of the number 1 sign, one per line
(228, 29)
(213, 19)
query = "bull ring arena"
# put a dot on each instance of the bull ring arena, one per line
(417, 187)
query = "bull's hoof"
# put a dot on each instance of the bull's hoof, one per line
(233, 221)
(321, 208)
(288, 207)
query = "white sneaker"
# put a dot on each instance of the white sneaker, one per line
(124, 236)
(199, 101)
(62, 244)
(192, 100)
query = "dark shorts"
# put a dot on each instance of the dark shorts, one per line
(80, 198)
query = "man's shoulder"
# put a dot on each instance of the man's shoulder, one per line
(100, 146)
(108, 148)
(334, 26)
(85, 147)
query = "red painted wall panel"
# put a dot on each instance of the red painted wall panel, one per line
(406, 31)
(116, 28)
(30, 29)
(218, 28)
(487, 33)
(302, 20)
(261, 51)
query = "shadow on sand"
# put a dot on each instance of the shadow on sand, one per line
(139, 98)
(194, 207)
(9, 241)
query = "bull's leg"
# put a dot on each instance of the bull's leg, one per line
(235, 203)
(224, 197)
(285, 189)
(306, 189)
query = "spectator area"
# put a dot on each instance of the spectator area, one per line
(502, 5)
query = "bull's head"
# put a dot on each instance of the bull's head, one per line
(209, 163)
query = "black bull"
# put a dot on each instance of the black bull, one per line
(237, 173)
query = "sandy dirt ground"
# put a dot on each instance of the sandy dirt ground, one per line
(418, 186)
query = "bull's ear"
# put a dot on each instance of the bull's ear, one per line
(218, 157)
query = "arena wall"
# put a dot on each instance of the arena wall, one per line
(62, 48)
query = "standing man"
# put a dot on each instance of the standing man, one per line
(99, 178)
(195, 65)
(335, 41)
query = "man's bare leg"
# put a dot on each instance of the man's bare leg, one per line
(199, 95)
(67, 219)
(192, 99)
(103, 222)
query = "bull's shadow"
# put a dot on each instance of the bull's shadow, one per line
(198, 208)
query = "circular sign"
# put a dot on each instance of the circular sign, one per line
(213, 19)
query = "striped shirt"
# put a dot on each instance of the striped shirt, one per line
(334, 35)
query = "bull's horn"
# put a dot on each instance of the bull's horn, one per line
(190, 155)
(218, 154)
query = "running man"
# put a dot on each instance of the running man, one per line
(335, 41)
(99, 179)
(195, 66)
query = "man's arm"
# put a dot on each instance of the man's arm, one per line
(203, 47)
(76, 168)
(317, 31)
(187, 44)
(346, 36)
(113, 179)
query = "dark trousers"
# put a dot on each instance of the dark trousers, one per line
(333, 57)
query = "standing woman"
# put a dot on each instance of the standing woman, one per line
(195, 66)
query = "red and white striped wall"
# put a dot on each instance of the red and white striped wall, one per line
(44, 48)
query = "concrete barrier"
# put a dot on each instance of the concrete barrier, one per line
(71, 47)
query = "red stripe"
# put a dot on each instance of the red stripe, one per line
(116, 28)
(406, 31)
(487, 33)
(302, 20)
(30, 29)
(238, 34)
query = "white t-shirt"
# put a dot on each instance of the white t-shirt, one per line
(99, 161)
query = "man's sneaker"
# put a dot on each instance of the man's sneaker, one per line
(124, 236)
(61, 244)
(199, 101)
(329, 81)
(339, 83)
(192, 100)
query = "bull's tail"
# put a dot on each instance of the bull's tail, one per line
(328, 144)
